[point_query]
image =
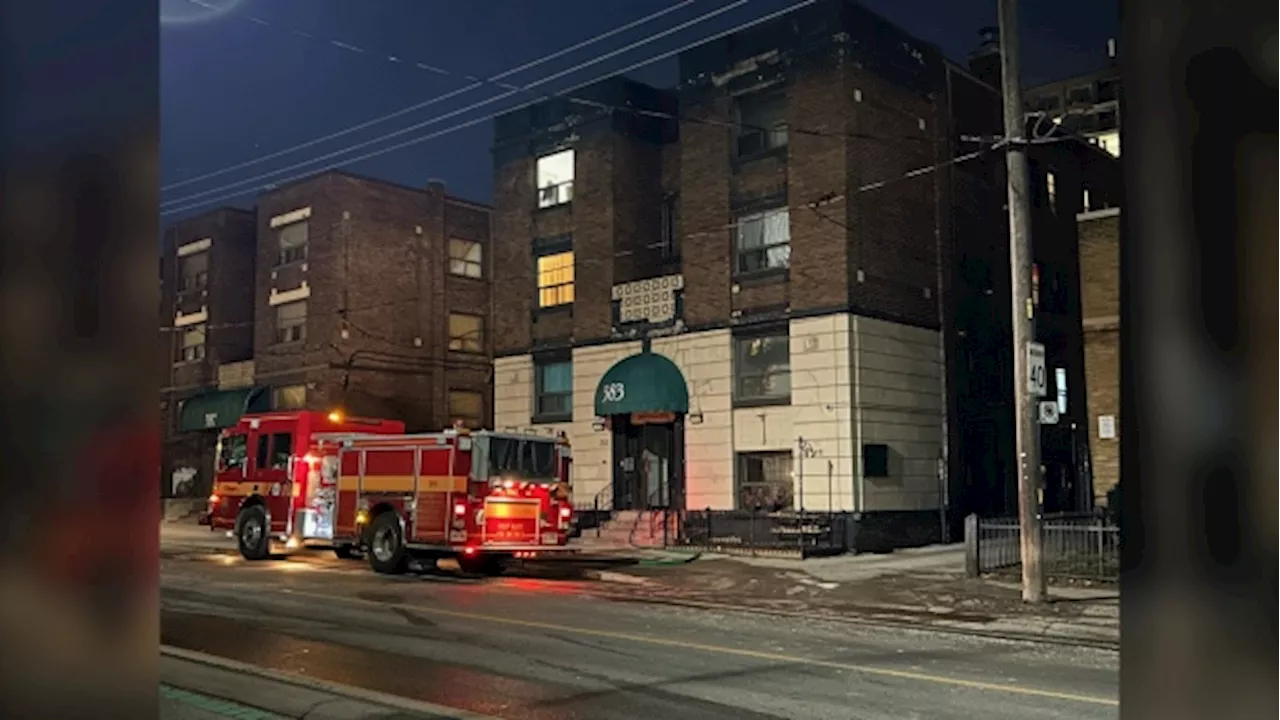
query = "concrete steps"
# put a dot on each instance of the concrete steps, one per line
(628, 529)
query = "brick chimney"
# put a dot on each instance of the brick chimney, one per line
(984, 61)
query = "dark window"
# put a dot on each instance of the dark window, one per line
(764, 481)
(262, 451)
(764, 241)
(553, 390)
(232, 452)
(293, 243)
(291, 322)
(1108, 90)
(762, 123)
(875, 460)
(193, 272)
(281, 449)
(1080, 95)
(762, 369)
(1048, 103)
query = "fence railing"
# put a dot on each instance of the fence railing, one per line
(1083, 547)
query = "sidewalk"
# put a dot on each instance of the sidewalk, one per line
(918, 587)
(196, 686)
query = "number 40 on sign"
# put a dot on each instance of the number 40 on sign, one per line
(1037, 376)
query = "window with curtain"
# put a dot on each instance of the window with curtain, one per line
(764, 241)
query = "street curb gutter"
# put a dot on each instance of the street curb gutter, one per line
(317, 699)
(1040, 638)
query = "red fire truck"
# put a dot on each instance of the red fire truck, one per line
(362, 486)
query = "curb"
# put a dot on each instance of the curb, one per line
(342, 703)
(1038, 638)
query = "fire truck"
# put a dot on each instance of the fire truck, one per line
(363, 487)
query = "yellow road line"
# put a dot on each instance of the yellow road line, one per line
(754, 654)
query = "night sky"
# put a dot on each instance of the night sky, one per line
(261, 76)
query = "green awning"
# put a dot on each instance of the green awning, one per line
(220, 408)
(646, 382)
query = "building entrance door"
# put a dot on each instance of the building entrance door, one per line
(648, 462)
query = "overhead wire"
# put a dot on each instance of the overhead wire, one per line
(453, 113)
(424, 104)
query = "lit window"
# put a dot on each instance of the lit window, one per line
(466, 333)
(193, 272)
(555, 279)
(764, 481)
(289, 397)
(291, 322)
(1085, 200)
(1051, 189)
(764, 241)
(193, 339)
(762, 369)
(293, 243)
(467, 406)
(555, 179)
(553, 390)
(466, 258)
(762, 123)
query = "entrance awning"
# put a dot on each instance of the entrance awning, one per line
(220, 408)
(643, 383)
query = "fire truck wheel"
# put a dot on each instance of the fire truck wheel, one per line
(251, 533)
(386, 545)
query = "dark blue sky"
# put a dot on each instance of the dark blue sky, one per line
(265, 75)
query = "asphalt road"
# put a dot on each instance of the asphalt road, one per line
(520, 648)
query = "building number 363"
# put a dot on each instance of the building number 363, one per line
(613, 392)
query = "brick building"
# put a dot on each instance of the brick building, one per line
(1100, 266)
(688, 293)
(206, 323)
(341, 293)
(692, 281)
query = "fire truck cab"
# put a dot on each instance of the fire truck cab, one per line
(362, 486)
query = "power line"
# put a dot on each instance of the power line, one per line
(432, 121)
(427, 103)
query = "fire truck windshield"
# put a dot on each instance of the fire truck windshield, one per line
(524, 458)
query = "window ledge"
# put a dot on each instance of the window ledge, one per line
(761, 402)
(565, 309)
(549, 208)
(763, 277)
(774, 152)
(549, 418)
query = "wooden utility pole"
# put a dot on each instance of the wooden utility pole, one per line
(1026, 421)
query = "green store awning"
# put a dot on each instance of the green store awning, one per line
(220, 408)
(645, 382)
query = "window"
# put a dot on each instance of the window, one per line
(1085, 199)
(467, 406)
(232, 452)
(1108, 90)
(289, 397)
(762, 123)
(281, 449)
(553, 390)
(555, 179)
(1048, 103)
(875, 460)
(466, 333)
(193, 272)
(764, 481)
(670, 240)
(466, 258)
(291, 322)
(764, 241)
(555, 279)
(293, 243)
(762, 369)
(263, 440)
(193, 339)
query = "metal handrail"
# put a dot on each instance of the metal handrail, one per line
(596, 504)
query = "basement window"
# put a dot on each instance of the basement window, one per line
(764, 482)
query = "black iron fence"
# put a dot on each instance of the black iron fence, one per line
(1085, 547)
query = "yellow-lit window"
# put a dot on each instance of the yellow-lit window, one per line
(555, 279)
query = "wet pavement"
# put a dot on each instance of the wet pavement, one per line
(559, 648)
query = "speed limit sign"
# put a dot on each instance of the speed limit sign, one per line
(1037, 377)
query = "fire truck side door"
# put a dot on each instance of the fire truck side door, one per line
(273, 458)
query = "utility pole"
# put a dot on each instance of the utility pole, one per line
(1026, 421)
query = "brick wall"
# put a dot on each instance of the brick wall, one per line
(377, 271)
(1100, 304)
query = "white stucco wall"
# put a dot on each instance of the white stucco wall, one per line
(898, 403)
